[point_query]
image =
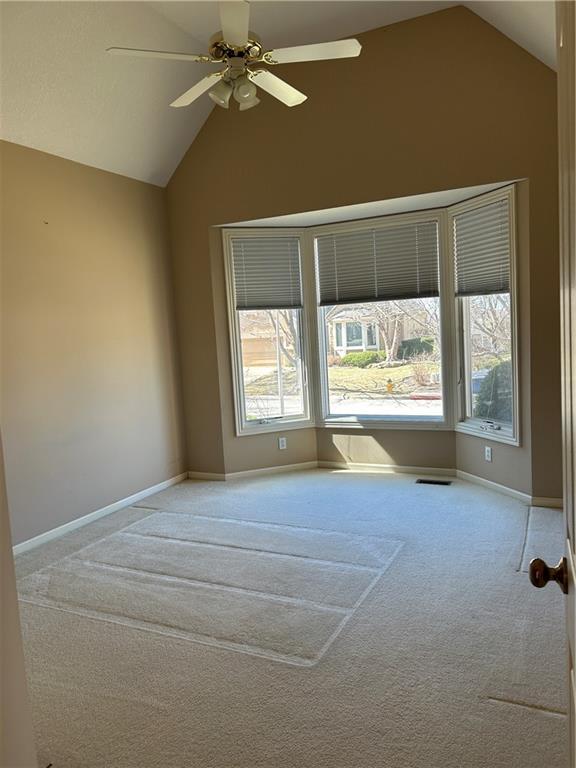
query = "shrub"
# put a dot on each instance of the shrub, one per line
(422, 369)
(421, 345)
(494, 399)
(363, 359)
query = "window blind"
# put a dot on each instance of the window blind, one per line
(266, 272)
(482, 249)
(380, 264)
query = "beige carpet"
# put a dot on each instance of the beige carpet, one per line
(312, 619)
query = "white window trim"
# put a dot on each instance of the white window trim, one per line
(466, 424)
(242, 425)
(313, 337)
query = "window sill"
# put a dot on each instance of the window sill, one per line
(497, 436)
(348, 423)
(274, 426)
(431, 424)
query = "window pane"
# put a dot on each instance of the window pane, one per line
(271, 363)
(353, 334)
(403, 377)
(338, 334)
(490, 387)
(371, 335)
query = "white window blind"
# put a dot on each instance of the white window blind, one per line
(482, 249)
(266, 272)
(380, 264)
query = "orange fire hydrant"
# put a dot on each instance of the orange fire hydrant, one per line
(389, 386)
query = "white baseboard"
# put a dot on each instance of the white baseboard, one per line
(55, 533)
(552, 502)
(273, 470)
(349, 466)
(532, 501)
(388, 469)
(205, 476)
(254, 472)
(79, 522)
(525, 497)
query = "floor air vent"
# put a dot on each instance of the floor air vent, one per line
(425, 481)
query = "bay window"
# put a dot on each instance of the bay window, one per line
(406, 321)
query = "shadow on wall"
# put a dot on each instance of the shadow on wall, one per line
(389, 447)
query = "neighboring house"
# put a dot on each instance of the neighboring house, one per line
(347, 332)
(361, 329)
(258, 340)
(266, 335)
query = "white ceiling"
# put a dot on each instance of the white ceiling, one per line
(61, 93)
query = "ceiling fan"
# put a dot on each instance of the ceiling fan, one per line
(241, 52)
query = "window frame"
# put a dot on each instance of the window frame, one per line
(275, 424)
(446, 421)
(465, 423)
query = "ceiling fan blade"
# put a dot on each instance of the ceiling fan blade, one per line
(160, 54)
(339, 49)
(197, 90)
(234, 20)
(277, 87)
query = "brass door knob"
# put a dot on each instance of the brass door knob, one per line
(540, 573)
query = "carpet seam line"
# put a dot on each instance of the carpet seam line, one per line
(206, 640)
(266, 552)
(261, 523)
(264, 522)
(345, 619)
(526, 705)
(300, 601)
(525, 540)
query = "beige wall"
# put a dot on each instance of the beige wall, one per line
(424, 108)
(90, 399)
(402, 448)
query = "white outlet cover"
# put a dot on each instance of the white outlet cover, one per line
(282, 443)
(488, 453)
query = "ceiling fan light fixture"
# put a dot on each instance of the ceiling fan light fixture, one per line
(249, 104)
(221, 93)
(244, 91)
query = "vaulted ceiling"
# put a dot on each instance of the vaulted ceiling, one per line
(61, 93)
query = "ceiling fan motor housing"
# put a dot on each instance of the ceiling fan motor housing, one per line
(220, 50)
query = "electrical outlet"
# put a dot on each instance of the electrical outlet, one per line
(282, 443)
(487, 453)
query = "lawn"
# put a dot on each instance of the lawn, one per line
(373, 381)
(368, 382)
